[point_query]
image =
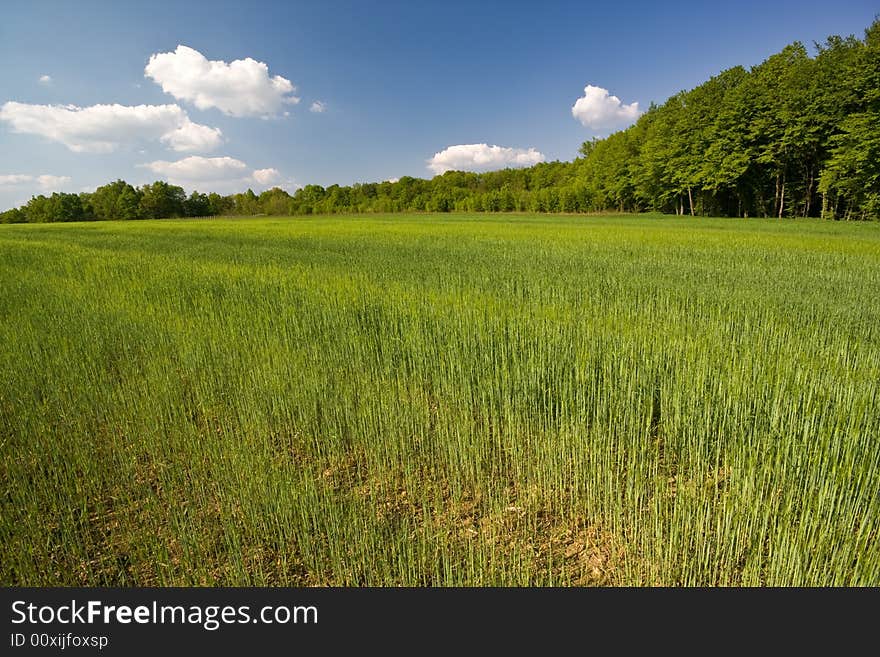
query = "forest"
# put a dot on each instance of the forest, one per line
(795, 136)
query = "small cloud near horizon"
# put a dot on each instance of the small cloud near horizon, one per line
(217, 174)
(482, 157)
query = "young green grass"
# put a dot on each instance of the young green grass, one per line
(440, 400)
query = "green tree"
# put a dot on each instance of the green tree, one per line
(117, 200)
(850, 182)
(219, 205)
(161, 200)
(13, 216)
(197, 205)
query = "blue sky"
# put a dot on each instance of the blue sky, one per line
(398, 82)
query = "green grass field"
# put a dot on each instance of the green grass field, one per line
(440, 400)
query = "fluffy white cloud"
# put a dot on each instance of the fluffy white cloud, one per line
(102, 128)
(195, 168)
(240, 88)
(318, 106)
(45, 79)
(45, 182)
(598, 110)
(191, 137)
(49, 182)
(214, 174)
(481, 157)
(266, 177)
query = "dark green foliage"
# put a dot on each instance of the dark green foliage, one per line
(14, 216)
(793, 137)
(58, 207)
(161, 200)
(197, 205)
(851, 179)
(118, 200)
(219, 204)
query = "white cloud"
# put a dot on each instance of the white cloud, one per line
(481, 157)
(196, 167)
(190, 137)
(266, 177)
(598, 110)
(214, 174)
(45, 79)
(240, 88)
(45, 182)
(15, 179)
(318, 107)
(393, 180)
(17, 188)
(49, 182)
(103, 128)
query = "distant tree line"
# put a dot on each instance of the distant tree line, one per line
(795, 136)
(119, 200)
(547, 187)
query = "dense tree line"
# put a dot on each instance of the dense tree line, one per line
(547, 187)
(794, 136)
(119, 200)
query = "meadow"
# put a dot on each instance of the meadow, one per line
(440, 400)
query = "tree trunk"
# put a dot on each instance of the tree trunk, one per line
(776, 196)
(809, 195)
(782, 198)
(691, 199)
